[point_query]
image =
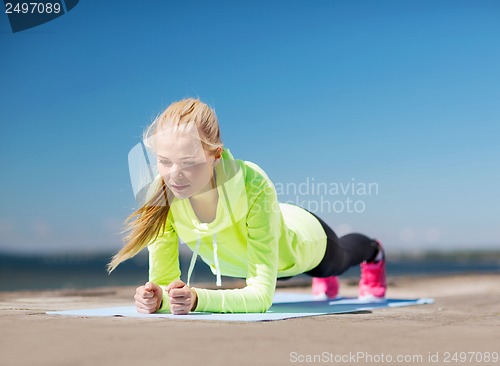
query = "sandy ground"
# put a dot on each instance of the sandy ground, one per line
(464, 318)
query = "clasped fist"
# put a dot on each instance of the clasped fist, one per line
(148, 298)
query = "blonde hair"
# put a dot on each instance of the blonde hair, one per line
(152, 216)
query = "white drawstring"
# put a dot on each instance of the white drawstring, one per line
(193, 259)
(216, 261)
(195, 255)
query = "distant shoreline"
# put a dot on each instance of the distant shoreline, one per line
(294, 284)
(84, 271)
(395, 254)
(492, 255)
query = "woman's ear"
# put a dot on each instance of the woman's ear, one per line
(218, 156)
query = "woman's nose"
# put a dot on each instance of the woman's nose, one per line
(176, 171)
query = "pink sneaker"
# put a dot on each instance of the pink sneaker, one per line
(325, 288)
(372, 285)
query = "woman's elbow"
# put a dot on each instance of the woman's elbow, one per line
(260, 306)
(266, 304)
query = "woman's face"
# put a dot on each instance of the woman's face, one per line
(184, 165)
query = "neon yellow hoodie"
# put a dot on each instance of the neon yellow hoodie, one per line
(253, 236)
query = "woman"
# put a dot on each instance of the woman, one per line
(226, 210)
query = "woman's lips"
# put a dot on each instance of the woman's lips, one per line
(179, 188)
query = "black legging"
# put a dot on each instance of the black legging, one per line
(342, 253)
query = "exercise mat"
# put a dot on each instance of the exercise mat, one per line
(286, 305)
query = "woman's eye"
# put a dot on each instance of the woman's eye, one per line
(168, 163)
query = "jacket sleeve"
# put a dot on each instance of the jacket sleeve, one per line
(263, 225)
(164, 262)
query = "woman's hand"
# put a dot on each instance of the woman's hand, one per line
(148, 298)
(183, 298)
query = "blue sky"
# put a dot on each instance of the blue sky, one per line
(403, 94)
